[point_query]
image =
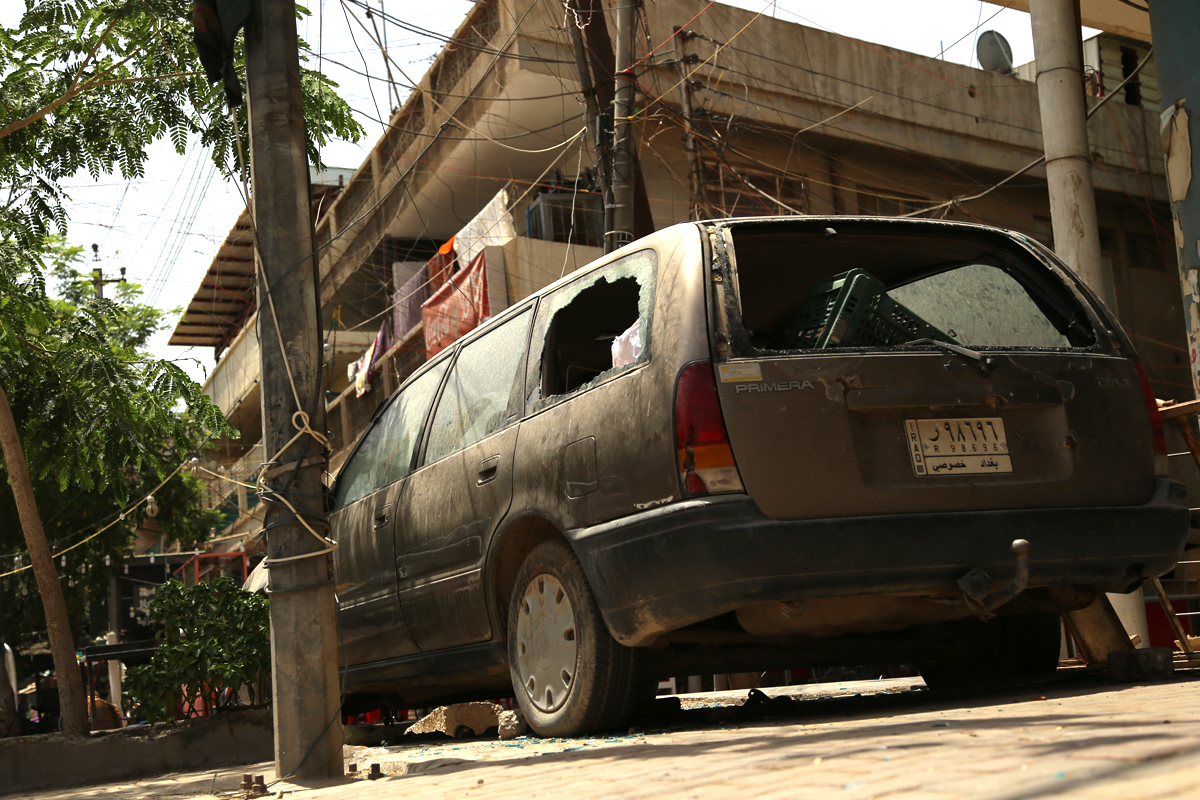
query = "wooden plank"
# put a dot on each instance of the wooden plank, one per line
(1183, 640)
(1184, 661)
(1180, 409)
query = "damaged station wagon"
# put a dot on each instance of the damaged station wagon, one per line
(746, 445)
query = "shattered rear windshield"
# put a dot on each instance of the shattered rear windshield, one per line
(876, 286)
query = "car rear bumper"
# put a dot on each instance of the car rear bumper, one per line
(670, 567)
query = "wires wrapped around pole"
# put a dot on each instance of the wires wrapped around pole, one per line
(304, 653)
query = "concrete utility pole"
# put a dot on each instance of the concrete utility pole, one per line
(1176, 27)
(304, 654)
(98, 279)
(114, 637)
(695, 175)
(1057, 47)
(623, 165)
(589, 15)
(592, 107)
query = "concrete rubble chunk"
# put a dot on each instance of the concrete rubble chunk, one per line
(512, 724)
(460, 719)
(1140, 666)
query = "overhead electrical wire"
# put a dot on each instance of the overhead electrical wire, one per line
(1040, 159)
(411, 87)
(452, 115)
(202, 180)
(817, 98)
(384, 279)
(401, 179)
(565, 93)
(522, 135)
(710, 58)
(464, 43)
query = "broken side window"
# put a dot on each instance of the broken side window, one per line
(593, 328)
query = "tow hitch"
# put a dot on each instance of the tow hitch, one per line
(974, 584)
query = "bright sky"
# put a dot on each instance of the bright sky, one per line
(165, 228)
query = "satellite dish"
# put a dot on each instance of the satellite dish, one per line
(994, 53)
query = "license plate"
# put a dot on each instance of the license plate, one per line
(969, 446)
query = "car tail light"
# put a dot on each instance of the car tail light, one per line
(706, 464)
(1156, 423)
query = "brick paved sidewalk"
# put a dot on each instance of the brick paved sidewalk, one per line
(1077, 739)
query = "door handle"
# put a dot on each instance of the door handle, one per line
(487, 470)
(381, 517)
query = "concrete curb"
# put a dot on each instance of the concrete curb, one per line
(53, 760)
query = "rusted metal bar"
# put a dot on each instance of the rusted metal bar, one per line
(1169, 610)
(91, 679)
(1190, 437)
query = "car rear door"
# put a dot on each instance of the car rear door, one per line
(453, 504)
(1016, 396)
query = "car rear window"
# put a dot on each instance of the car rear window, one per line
(871, 285)
(980, 305)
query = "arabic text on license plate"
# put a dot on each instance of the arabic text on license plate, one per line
(970, 446)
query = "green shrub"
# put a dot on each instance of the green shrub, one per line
(215, 640)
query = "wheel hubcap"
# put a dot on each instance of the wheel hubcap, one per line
(546, 643)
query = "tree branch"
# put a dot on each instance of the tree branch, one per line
(91, 54)
(75, 89)
(13, 127)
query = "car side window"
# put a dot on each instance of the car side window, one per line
(592, 328)
(386, 453)
(475, 402)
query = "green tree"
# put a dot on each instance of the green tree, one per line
(87, 86)
(77, 512)
(94, 418)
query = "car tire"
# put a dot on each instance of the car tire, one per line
(1001, 649)
(569, 675)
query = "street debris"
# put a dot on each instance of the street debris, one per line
(254, 786)
(512, 725)
(1150, 664)
(459, 720)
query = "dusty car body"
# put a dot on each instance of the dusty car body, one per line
(753, 444)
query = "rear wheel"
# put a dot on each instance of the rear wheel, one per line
(569, 675)
(1004, 648)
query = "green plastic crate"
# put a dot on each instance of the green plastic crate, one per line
(853, 310)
